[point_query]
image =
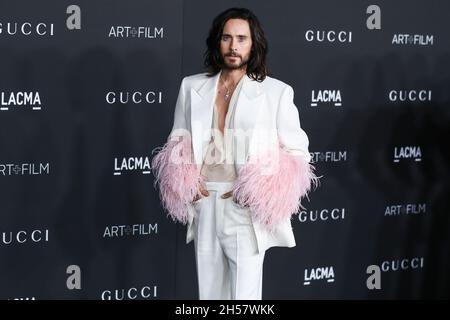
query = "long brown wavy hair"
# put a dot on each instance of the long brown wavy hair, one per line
(256, 67)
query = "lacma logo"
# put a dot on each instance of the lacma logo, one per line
(409, 152)
(132, 164)
(319, 273)
(20, 99)
(326, 96)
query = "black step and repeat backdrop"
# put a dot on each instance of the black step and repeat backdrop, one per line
(88, 89)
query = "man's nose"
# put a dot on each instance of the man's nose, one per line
(232, 46)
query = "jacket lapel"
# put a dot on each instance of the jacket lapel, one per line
(202, 102)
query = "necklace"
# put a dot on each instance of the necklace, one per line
(228, 93)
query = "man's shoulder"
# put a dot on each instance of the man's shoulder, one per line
(275, 86)
(195, 77)
(275, 83)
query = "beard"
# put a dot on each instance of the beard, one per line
(239, 63)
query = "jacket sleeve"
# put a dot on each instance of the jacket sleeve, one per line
(174, 167)
(290, 134)
(275, 197)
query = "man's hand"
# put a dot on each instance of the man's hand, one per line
(202, 192)
(229, 194)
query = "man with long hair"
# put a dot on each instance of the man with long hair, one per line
(236, 164)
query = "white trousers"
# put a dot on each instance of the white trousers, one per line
(226, 251)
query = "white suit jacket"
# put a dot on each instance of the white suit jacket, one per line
(264, 110)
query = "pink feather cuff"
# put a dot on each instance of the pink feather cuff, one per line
(177, 175)
(273, 184)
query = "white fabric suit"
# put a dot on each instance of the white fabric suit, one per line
(230, 242)
(226, 251)
(257, 105)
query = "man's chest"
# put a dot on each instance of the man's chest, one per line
(222, 107)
